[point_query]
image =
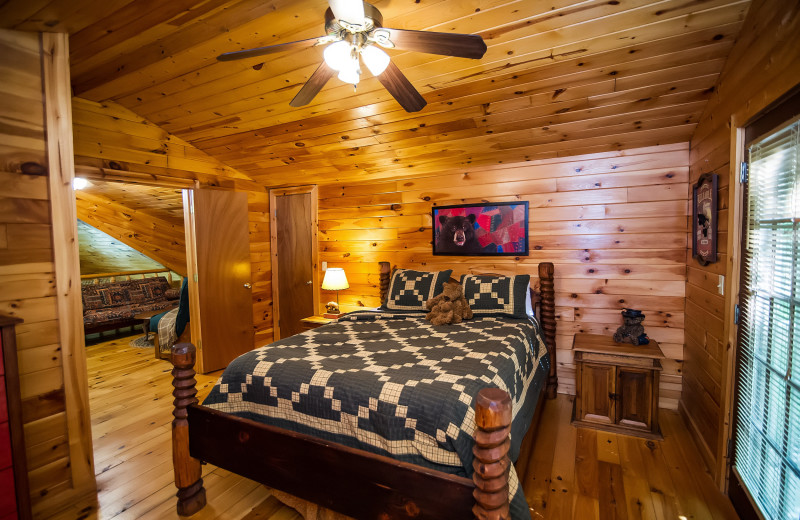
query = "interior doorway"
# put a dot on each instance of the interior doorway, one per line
(132, 256)
(293, 221)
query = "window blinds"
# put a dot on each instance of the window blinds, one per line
(767, 450)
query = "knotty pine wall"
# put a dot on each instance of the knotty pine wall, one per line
(614, 224)
(113, 143)
(102, 253)
(162, 240)
(763, 65)
(27, 269)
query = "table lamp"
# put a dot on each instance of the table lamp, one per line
(334, 280)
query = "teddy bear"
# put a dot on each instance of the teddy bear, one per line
(448, 307)
(632, 330)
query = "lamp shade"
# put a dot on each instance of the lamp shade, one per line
(335, 279)
(375, 59)
(338, 55)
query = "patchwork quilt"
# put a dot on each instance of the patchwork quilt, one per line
(393, 384)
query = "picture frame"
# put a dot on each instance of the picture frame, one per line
(484, 229)
(704, 219)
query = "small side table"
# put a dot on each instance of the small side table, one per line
(312, 322)
(617, 385)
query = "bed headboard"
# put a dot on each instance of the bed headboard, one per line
(545, 301)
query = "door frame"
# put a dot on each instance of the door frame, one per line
(739, 122)
(273, 238)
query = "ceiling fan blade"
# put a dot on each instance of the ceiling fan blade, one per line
(446, 44)
(313, 85)
(401, 89)
(350, 11)
(281, 47)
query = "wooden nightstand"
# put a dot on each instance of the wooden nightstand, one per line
(616, 385)
(312, 322)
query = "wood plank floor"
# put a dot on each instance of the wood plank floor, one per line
(571, 473)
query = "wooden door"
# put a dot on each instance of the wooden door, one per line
(218, 255)
(635, 391)
(597, 393)
(294, 238)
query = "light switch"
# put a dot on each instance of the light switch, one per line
(721, 286)
(324, 266)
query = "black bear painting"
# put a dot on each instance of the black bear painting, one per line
(457, 235)
(499, 228)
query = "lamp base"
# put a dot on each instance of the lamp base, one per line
(333, 315)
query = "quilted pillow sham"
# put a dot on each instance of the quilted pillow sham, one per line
(409, 290)
(489, 295)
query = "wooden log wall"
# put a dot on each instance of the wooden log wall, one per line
(27, 268)
(763, 65)
(614, 225)
(161, 240)
(102, 253)
(113, 143)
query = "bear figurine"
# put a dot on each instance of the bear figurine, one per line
(632, 330)
(457, 235)
(448, 307)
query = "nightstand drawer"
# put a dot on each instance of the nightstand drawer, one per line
(613, 359)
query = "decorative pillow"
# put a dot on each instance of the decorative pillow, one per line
(409, 290)
(172, 293)
(497, 295)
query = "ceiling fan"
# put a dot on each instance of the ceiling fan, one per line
(355, 30)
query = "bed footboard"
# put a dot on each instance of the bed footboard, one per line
(191, 493)
(354, 482)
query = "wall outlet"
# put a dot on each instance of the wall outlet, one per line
(721, 286)
(324, 266)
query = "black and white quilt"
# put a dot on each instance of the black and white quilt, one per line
(393, 384)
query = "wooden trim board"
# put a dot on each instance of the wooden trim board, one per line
(58, 121)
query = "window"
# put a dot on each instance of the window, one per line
(767, 436)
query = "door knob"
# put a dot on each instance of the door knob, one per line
(247, 285)
(308, 282)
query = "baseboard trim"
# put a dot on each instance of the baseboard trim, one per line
(708, 456)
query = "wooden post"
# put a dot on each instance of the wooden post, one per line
(493, 427)
(191, 493)
(385, 278)
(548, 321)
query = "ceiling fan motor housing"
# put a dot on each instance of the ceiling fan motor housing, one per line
(372, 19)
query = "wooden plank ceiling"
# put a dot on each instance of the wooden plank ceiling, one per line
(561, 77)
(163, 203)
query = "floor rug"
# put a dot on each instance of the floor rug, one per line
(143, 343)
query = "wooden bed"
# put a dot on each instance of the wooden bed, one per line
(345, 479)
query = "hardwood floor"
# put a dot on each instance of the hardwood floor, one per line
(571, 473)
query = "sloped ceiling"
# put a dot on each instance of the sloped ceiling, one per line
(101, 253)
(560, 78)
(144, 218)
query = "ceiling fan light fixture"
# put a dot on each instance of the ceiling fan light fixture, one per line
(375, 59)
(351, 73)
(338, 55)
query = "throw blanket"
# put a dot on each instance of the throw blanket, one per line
(393, 384)
(167, 335)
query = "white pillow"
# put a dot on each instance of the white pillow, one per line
(528, 303)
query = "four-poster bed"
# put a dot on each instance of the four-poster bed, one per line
(346, 479)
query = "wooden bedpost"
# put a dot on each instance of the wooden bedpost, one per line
(548, 322)
(385, 276)
(191, 493)
(493, 427)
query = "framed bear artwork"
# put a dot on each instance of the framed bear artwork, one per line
(489, 229)
(704, 219)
